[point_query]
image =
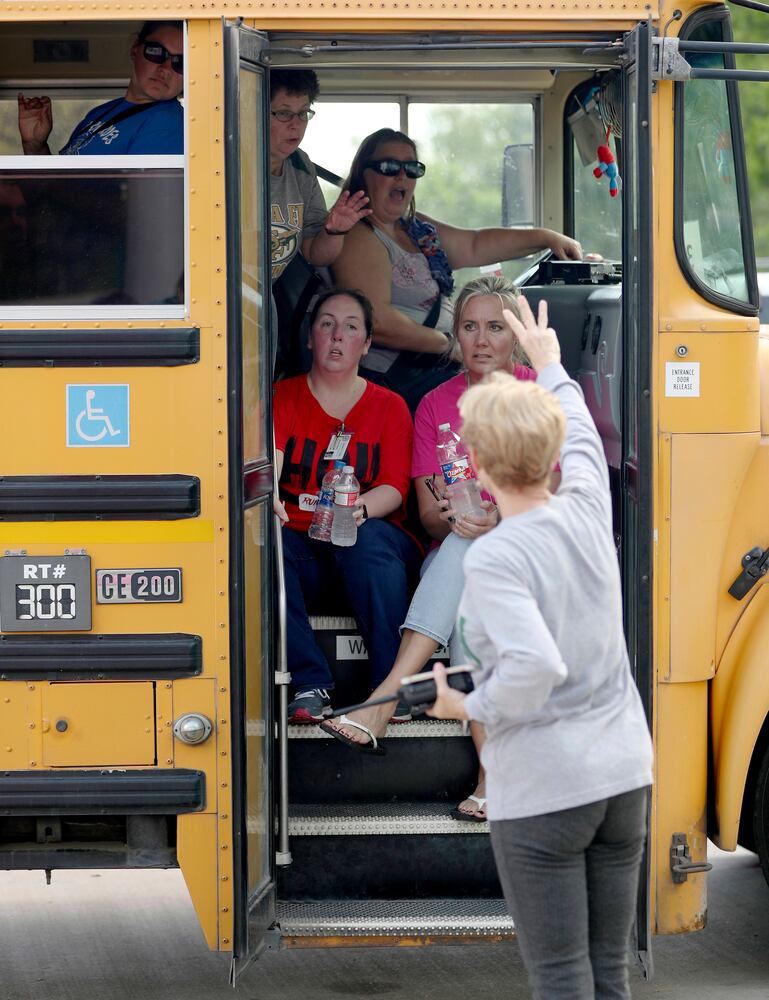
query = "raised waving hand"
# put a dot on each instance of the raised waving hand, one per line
(533, 333)
(35, 123)
(346, 211)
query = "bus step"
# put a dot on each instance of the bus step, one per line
(422, 855)
(396, 918)
(416, 728)
(435, 762)
(379, 819)
(339, 639)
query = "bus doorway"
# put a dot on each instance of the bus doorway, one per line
(375, 855)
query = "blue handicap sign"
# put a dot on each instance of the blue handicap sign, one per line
(97, 416)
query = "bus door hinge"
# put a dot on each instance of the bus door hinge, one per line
(755, 564)
(667, 61)
(681, 864)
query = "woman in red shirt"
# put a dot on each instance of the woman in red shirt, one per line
(332, 408)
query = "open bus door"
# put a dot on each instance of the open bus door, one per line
(250, 489)
(636, 550)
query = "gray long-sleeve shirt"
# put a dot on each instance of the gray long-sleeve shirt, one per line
(541, 615)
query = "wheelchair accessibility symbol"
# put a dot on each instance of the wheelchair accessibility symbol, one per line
(97, 416)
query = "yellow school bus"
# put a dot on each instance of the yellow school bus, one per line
(143, 682)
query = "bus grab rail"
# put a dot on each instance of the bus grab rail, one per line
(670, 63)
(282, 680)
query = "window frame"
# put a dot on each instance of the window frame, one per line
(569, 201)
(404, 101)
(95, 163)
(719, 299)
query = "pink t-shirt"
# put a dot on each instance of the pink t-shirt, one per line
(441, 406)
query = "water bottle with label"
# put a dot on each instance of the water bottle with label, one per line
(458, 474)
(344, 530)
(323, 515)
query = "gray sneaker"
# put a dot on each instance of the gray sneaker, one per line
(310, 706)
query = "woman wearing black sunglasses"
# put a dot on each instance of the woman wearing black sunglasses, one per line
(148, 118)
(403, 261)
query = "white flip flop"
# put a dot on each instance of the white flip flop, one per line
(371, 747)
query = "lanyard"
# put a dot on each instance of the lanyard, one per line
(86, 132)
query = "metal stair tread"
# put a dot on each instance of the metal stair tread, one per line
(400, 730)
(342, 623)
(376, 819)
(395, 917)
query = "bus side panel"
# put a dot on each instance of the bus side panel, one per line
(723, 349)
(679, 795)
(205, 845)
(15, 751)
(196, 846)
(700, 519)
(748, 529)
(740, 703)
(679, 803)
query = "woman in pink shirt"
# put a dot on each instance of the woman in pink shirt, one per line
(485, 344)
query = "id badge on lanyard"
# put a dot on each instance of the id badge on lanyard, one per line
(338, 444)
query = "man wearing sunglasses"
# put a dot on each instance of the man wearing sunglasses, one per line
(148, 119)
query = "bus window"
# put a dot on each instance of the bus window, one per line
(92, 235)
(463, 146)
(597, 216)
(339, 128)
(84, 236)
(69, 111)
(710, 240)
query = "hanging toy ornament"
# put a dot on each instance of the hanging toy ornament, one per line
(607, 165)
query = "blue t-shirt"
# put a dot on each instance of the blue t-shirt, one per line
(158, 129)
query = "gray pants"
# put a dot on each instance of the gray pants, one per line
(570, 880)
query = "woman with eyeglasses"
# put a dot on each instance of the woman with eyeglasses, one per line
(403, 261)
(148, 119)
(299, 219)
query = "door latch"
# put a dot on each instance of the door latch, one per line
(755, 564)
(681, 864)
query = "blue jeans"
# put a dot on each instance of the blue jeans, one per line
(570, 880)
(374, 575)
(433, 609)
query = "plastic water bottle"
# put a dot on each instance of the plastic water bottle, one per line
(323, 515)
(458, 474)
(344, 530)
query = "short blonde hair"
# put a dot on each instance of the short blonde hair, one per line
(515, 428)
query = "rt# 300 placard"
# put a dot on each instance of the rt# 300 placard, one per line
(45, 593)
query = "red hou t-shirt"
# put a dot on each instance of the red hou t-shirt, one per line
(379, 448)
